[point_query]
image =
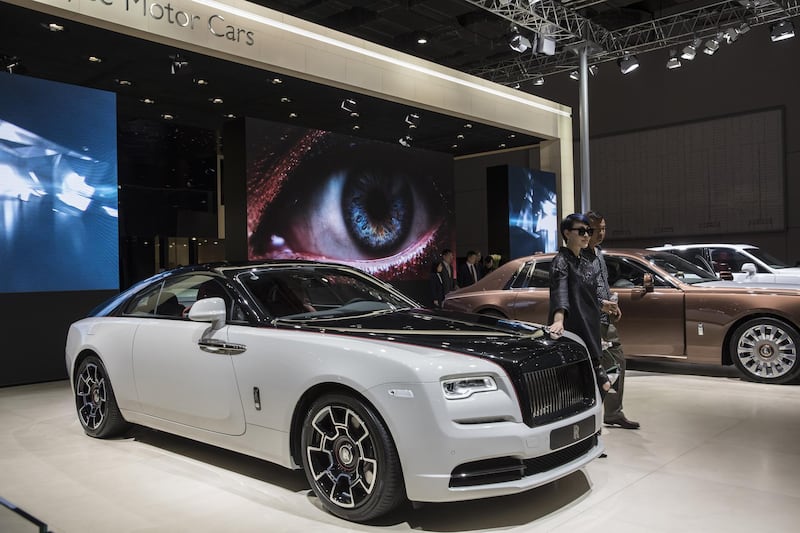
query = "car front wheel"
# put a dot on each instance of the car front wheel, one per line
(765, 350)
(350, 459)
(95, 401)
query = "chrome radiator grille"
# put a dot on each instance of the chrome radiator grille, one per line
(552, 394)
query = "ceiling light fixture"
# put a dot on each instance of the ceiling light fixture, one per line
(460, 136)
(546, 45)
(167, 116)
(712, 45)
(95, 59)
(538, 81)
(10, 63)
(228, 116)
(422, 38)
(351, 106)
(356, 127)
(781, 30)
(293, 115)
(690, 50)
(178, 64)
(124, 83)
(674, 61)
(413, 120)
(575, 75)
(519, 43)
(216, 100)
(200, 81)
(286, 100)
(406, 140)
(276, 81)
(628, 63)
(730, 35)
(53, 27)
(468, 126)
(148, 101)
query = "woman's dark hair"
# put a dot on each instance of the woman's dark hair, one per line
(570, 220)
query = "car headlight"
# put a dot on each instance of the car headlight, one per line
(460, 388)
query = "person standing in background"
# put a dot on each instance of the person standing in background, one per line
(438, 281)
(613, 356)
(468, 271)
(447, 272)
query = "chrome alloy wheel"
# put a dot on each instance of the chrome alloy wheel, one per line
(91, 393)
(342, 456)
(766, 351)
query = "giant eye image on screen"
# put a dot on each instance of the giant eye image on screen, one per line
(313, 194)
(58, 187)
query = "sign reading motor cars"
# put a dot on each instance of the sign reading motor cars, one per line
(175, 15)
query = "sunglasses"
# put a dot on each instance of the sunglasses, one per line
(583, 231)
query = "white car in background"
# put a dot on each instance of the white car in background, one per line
(746, 263)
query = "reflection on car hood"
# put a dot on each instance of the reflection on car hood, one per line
(788, 271)
(509, 343)
(755, 286)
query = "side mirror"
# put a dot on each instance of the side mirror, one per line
(647, 282)
(749, 269)
(209, 310)
(726, 275)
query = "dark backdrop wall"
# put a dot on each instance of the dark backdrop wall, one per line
(752, 74)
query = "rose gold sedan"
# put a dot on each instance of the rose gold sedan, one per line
(671, 310)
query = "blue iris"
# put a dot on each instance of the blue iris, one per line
(377, 210)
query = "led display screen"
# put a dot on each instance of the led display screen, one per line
(311, 194)
(58, 187)
(532, 212)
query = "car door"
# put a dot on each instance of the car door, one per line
(176, 378)
(653, 323)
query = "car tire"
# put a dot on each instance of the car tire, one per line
(95, 401)
(350, 459)
(765, 350)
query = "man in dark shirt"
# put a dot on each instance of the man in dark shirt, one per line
(613, 356)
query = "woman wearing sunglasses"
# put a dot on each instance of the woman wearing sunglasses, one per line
(573, 292)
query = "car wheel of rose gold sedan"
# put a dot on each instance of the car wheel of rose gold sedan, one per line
(765, 350)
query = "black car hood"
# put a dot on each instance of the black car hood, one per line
(516, 346)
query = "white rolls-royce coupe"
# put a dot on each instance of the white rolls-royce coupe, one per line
(325, 368)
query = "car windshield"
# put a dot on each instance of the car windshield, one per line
(766, 258)
(312, 293)
(680, 268)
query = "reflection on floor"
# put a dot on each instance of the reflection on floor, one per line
(714, 454)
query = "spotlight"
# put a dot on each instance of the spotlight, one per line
(422, 38)
(730, 35)
(351, 106)
(216, 100)
(286, 100)
(412, 119)
(125, 83)
(95, 59)
(200, 81)
(538, 81)
(179, 65)
(712, 45)
(575, 75)
(673, 61)
(546, 45)
(10, 63)
(519, 43)
(781, 30)
(276, 81)
(406, 140)
(53, 27)
(167, 116)
(690, 50)
(628, 63)
(744, 27)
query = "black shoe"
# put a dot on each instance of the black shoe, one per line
(602, 455)
(622, 422)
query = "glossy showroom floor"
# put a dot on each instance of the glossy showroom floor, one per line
(714, 454)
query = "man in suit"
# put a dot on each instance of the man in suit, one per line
(468, 272)
(447, 272)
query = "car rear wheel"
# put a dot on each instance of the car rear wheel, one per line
(350, 459)
(95, 401)
(765, 350)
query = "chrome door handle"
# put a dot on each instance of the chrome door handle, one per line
(221, 347)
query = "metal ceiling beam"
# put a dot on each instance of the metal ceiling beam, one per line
(666, 32)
